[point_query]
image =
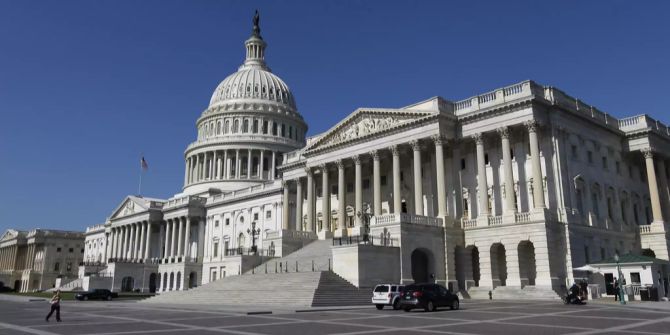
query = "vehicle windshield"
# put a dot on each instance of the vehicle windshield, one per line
(381, 288)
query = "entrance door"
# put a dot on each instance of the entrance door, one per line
(152, 283)
(420, 266)
(17, 286)
(609, 284)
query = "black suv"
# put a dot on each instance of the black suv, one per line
(96, 294)
(427, 296)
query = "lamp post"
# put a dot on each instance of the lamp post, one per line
(253, 232)
(364, 216)
(621, 292)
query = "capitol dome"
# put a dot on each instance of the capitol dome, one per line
(252, 83)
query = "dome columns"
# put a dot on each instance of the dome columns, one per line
(231, 164)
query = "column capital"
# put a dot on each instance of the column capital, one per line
(503, 132)
(395, 151)
(308, 170)
(415, 144)
(340, 164)
(323, 167)
(478, 138)
(532, 126)
(284, 183)
(647, 152)
(438, 139)
(298, 181)
(357, 159)
(375, 155)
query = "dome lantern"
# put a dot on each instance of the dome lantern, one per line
(255, 47)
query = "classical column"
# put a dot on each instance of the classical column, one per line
(194, 174)
(482, 185)
(186, 172)
(249, 168)
(261, 166)
(358, 190)
(285, 210)
(310, 199)
(274, 167)
(538, 182)
(136, 245)
(418, 182)
(341, 198)
(397, 198)
(325, 198)
(510, 208)
(201, 240)
(376, 184)
(656, 209)
(173, 238)
(143, 232)
(226, 165)
(441, 180)
(126, 248)
(180, 234)
(147, 244)
(237, 164)
(112, 242)
(663, 184)
(298, 204)
(187, 239)
(166, 251)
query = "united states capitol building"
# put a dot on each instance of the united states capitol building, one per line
(506, 190)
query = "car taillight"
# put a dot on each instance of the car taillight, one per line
(417, 294)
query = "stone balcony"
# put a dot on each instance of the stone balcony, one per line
(405, 218)
(653, 228)
(506, 220)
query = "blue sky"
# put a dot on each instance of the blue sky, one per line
(86, 86)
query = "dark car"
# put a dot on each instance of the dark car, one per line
(427, 296)
(96, 294)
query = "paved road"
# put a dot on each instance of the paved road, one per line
(475, 317)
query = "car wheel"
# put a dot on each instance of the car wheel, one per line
(396, 304)
(380, 307)
(109, 298)
(85, 298)
(455, 304)
(406, 309)
(430, 306)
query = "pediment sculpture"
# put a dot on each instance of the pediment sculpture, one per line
(366, 124)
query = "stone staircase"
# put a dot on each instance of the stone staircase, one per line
(315, 256)
(302, 278)
(74, 285)
(319, 288)
(514, 293)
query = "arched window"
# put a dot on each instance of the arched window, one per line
(241, 240)
(236, 125)
(226, 127)
(218, 128)
(57, 266)
(246, 126)
(255, 130)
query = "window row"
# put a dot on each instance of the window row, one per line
(250, 126)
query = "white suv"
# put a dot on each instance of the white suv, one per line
(387, 294)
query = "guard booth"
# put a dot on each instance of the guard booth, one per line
(645, 278)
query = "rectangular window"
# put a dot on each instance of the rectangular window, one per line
(268, 214)
(575, 154)
(589, 156)
(602, 253)
(227, 221)
(383, 180)
(71, 250)
(486, 159)
(587, 255)
(635, 278)
(255, 216)
(216, 223)
(463, 164)
(58, 249)
(605, 163)
(216, 249)
(617, 166)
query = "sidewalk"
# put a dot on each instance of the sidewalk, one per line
(20, 298)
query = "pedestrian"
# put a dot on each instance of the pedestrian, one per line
(55, 306)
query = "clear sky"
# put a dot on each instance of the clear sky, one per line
(86, 86)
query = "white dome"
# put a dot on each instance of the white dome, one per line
(253, 83)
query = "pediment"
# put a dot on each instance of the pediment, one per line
(366, 122)
(130, 205)
(9, 234)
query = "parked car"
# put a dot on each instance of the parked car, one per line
(97, 293)
(427, 296)
(387, 295)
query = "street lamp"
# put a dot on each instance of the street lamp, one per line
(364, 216)
(253, 232)
(621, 292)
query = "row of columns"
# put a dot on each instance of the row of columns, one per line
(537, 180)
(8, 257)
(216, 165)
(177, 234)
(131, 241)
(659, 191)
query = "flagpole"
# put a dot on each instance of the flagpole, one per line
(139, 188)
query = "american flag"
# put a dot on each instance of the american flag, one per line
(143, 164)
